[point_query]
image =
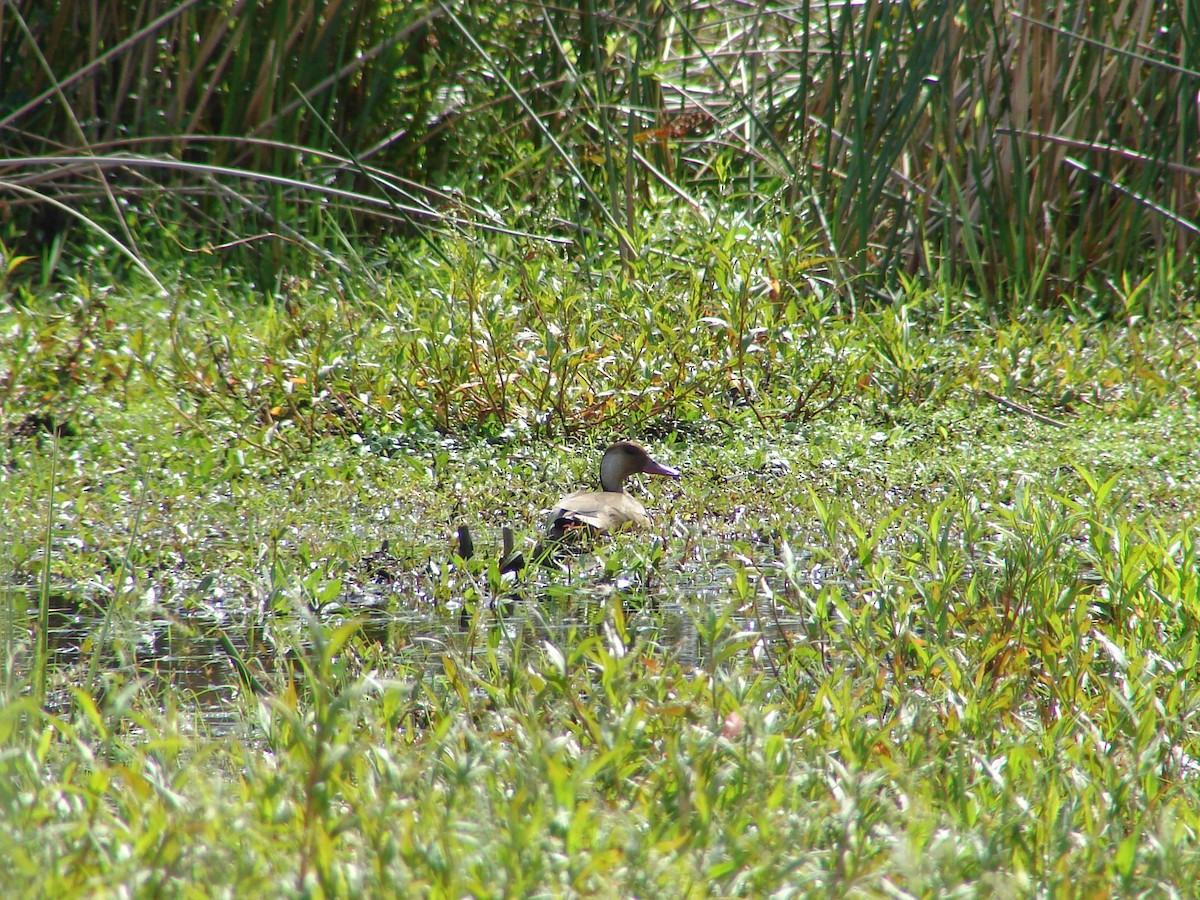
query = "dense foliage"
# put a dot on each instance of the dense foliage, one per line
(1033, 155)
(291, 292)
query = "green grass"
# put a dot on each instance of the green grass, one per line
(1040, 158)
(907, 295)
(886, 634)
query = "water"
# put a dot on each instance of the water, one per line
(207, 645)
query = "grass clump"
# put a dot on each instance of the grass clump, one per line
(886, 632)
(1036, 159)
(915, 728)
(920, 615)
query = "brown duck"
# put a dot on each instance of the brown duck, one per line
(610, 508)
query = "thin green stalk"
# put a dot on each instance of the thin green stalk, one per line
(118, 582)
(43, 631)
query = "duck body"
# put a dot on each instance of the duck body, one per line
(602, 511)
(610, 508)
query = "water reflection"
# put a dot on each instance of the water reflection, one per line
(210, 649)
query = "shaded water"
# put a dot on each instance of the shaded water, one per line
(207, 649)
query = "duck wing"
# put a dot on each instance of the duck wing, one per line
(601, 510)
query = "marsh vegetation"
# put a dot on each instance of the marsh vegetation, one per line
(906, 292)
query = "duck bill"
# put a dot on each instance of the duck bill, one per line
(656, 468)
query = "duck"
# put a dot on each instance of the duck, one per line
(610, 508)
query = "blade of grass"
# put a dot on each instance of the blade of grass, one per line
(40, 662)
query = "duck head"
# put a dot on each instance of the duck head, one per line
(625, 458)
